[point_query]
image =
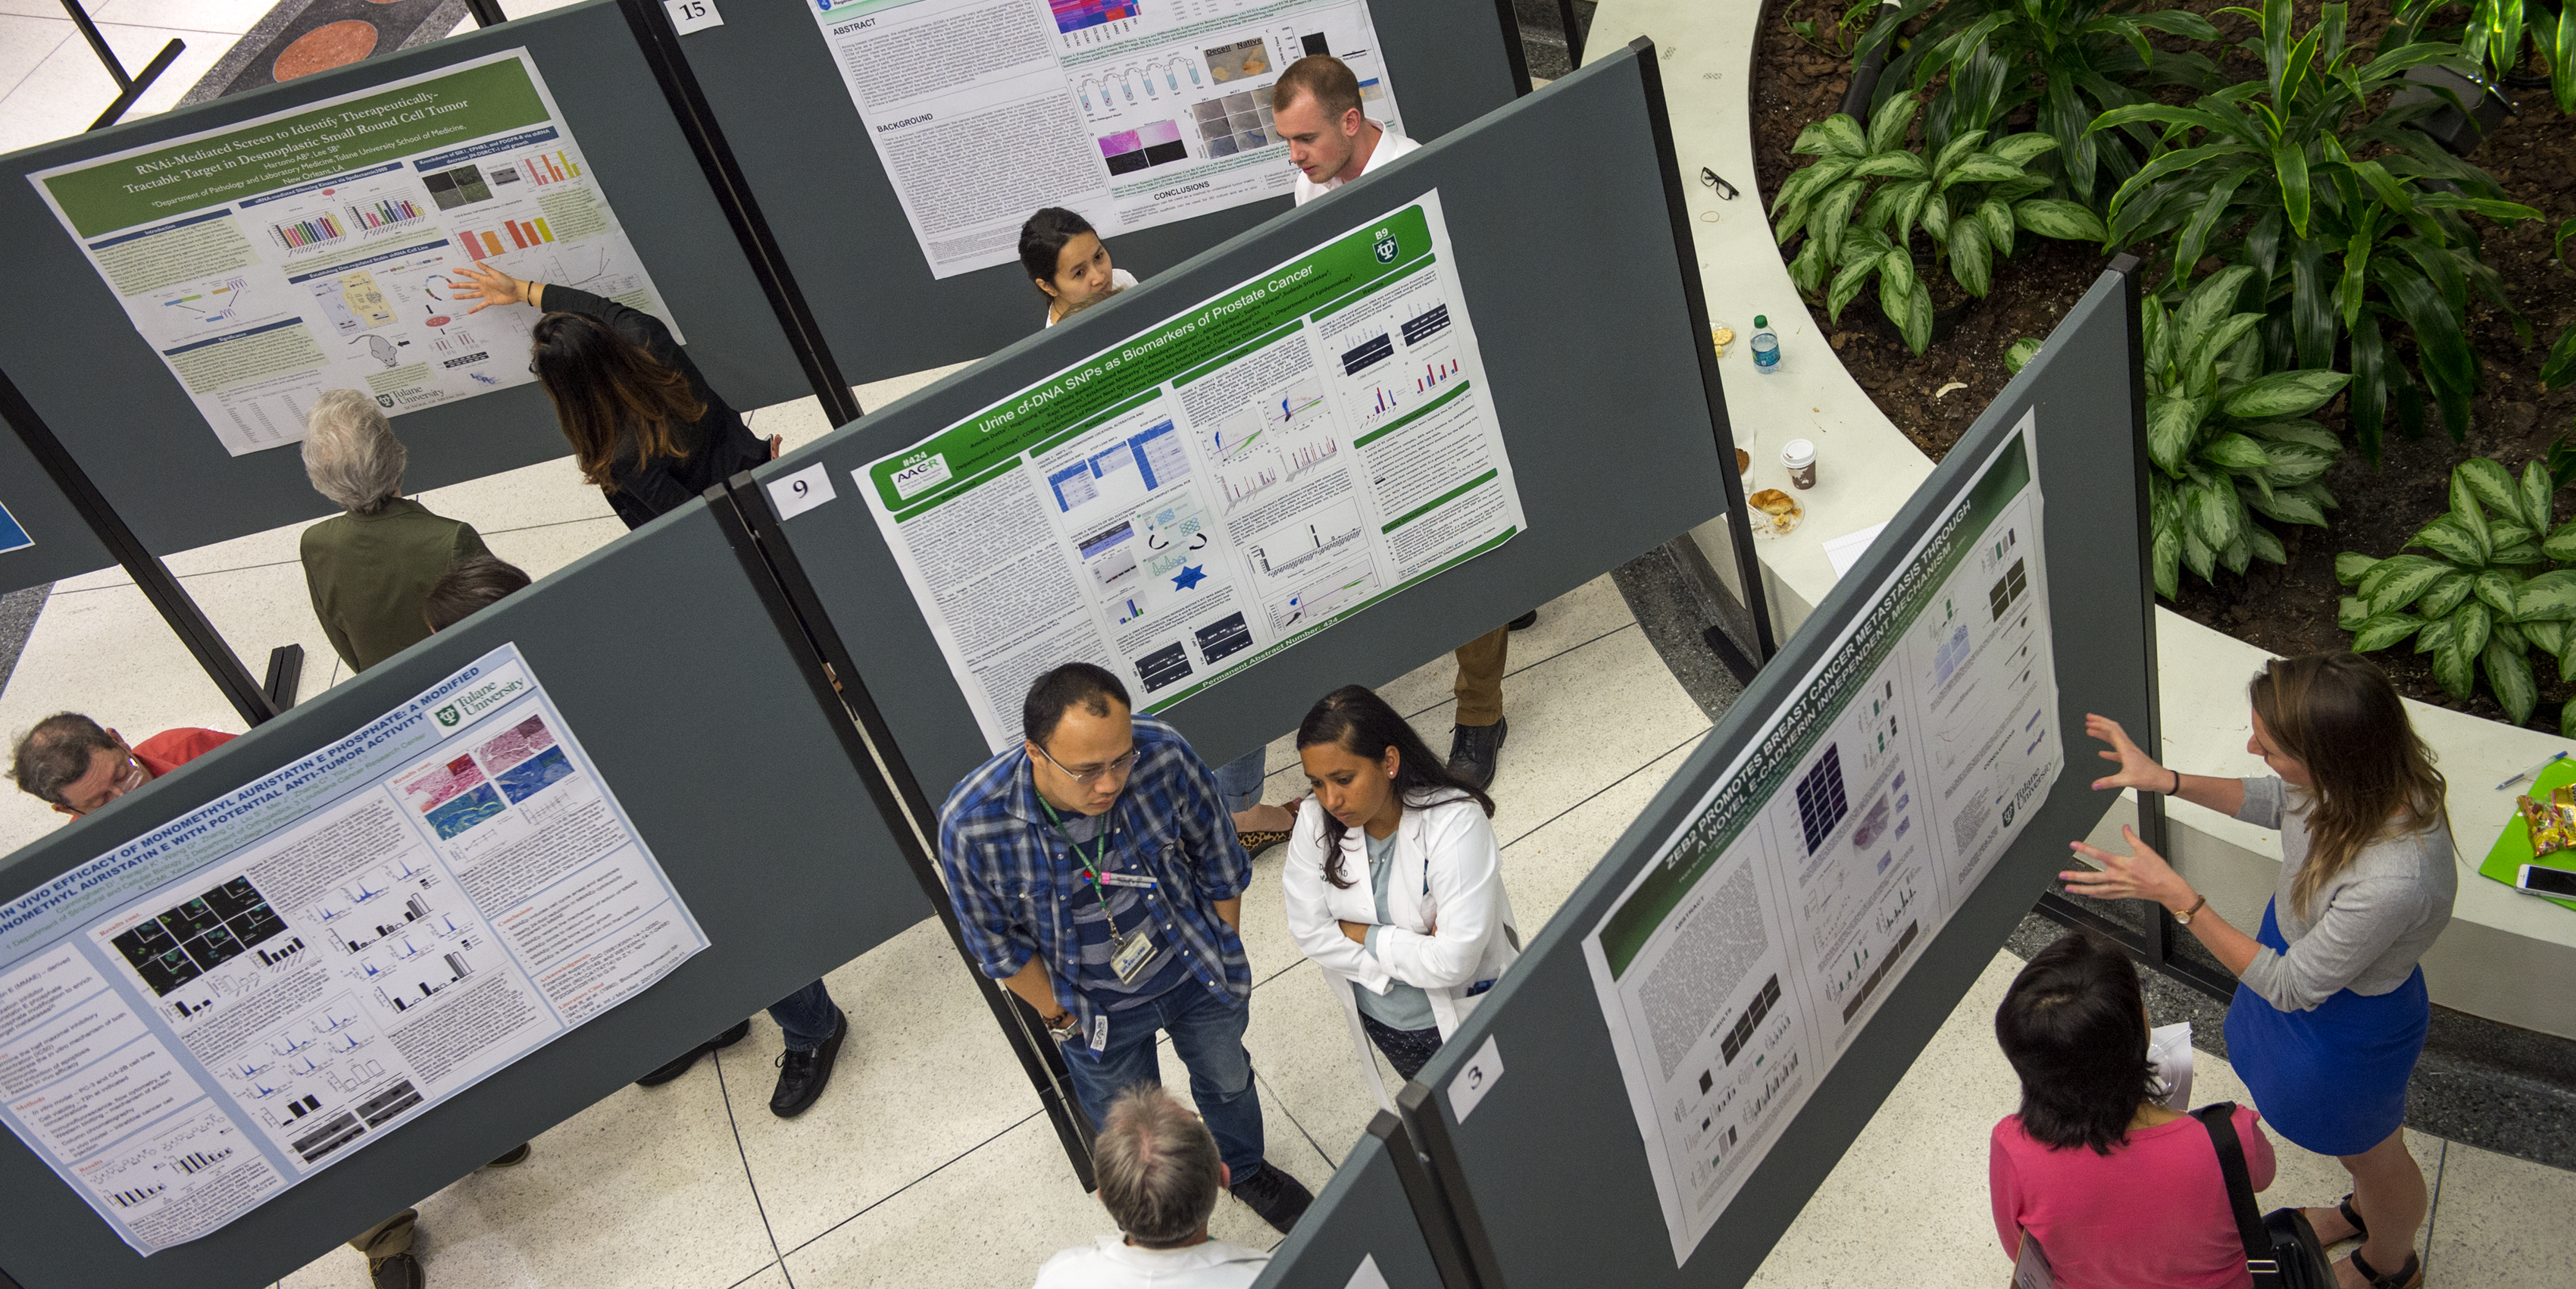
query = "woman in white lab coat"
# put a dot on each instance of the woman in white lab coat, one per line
(1394, 881)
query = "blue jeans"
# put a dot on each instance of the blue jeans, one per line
(1207, 1033)
(807, 1017)
(1239, 780)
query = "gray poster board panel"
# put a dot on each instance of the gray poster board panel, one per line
(65, 546)
(1363, 1213)
(131, 425)
(706, 724)
(1595, 377)
(1553, 1146)
(786, 115)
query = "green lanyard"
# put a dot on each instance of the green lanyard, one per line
(1090, 867)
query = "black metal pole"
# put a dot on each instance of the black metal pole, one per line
(149, 573)
(486, 13)
(1515, 55)
(1430, 1207)
(1571, 24)
(907, 809)
(1419, 1105)
(1748, 567)
(129, 88)
(661, 49)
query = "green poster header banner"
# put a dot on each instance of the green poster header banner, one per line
(1209, 336)
(220, 167)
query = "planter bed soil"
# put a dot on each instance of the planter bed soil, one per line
(2288, 609)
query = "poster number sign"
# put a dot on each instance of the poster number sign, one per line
(693, 15)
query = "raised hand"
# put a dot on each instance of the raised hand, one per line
(2137, 769)
(2141, 875)
(493, 285)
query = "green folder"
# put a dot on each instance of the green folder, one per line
(2513, 848)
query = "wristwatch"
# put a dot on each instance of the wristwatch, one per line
(1063, 1028)
(2184, 917)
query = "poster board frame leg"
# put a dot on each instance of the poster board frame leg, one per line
(659, 44)
(128, 88)
(1739, 521)
(285, 676)
(1461, 1224)
(1430, 1207)
(748, 521)
(1515, 55)
(150, 575)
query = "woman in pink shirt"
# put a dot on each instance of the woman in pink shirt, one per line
(2120, 1192)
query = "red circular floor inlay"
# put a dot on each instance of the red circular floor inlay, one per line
(324, 48)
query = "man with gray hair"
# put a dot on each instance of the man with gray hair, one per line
(1159, 1178)
(370, 569)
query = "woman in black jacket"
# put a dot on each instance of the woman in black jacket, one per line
(643, 424)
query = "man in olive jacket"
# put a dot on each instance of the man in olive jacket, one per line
(370, 570)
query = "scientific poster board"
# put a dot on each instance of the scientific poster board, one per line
(903, 239)
(138, 433)
(1132, 113)
(319, 248)
(1247, 472)
(1739, 965)
(1554, 1141)
(1599, 392)
(44, 539)
(780, 897)
(1363, 1230)
(267, 985)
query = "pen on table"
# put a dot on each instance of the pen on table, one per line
(2534, 772)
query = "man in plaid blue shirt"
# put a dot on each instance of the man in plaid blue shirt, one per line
(1097, 875)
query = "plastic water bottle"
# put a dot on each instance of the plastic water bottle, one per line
(1766, 346)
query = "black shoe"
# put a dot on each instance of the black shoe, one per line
(511, 1158)
(801, 1075)
(1279, 1198)
(680, 1064)
(1476, 751)
(401, 1271)
(1524, 622)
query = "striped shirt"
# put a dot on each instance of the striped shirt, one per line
(1019, 891)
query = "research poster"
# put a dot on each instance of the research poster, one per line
(1133, 112)
(317, 248)
(1215, 488)
(1740, 965)
(256, 990)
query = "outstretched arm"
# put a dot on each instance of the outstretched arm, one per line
(2140, 771)
(2144, 875)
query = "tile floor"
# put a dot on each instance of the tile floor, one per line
(926, 1164)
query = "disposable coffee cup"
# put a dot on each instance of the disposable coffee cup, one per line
(1799, 456)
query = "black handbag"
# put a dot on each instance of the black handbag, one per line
(2281, 1249)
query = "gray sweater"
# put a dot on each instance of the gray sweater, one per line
(2373, 921)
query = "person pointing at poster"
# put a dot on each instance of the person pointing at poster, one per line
(1316, 104)
(644, 426)
(1095, 875)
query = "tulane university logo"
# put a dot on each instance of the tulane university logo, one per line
(447, 715)
(1386, 251)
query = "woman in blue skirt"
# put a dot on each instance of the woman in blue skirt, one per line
(2330, 1007)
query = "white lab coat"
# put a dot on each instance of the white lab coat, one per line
(1476, 938)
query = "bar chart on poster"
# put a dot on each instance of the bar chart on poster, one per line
(319, 248)
(1133, 112)
(1737, 968)
(1223, 485)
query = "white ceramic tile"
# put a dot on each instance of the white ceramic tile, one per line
(923, 1077)
(105, 653)
(540, 551)
(1582, 614)
(2502, 1221)
(35, 9)
(548, 492)
(136, 46)
(799, 422)
(876, 394)
(1542, 868)
(772, 1276)
(1300, 1042)
(28, 38)
(644, 1190)
(57, 98)
(258, 609)
(234, 16)
(1580, 721)
(279, 545)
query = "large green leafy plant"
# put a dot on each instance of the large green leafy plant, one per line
(2472, 601)
(2228, 442)
(2349, 221)
(2497, 32)
(1969, 197)
(2071, 60)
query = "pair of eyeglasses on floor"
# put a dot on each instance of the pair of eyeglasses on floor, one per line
(1725, 190)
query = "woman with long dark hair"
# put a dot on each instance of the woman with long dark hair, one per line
(1069, 263)
(2330, 1010)
(1394, 881)
(644, 427)
(2119, 1190)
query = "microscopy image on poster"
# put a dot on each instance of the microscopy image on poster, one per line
(215, 1011)
(1739, 967)
(1215, 487)
(317, 248)
(1133, 112)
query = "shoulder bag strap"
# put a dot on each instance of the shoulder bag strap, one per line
(2220, 1120)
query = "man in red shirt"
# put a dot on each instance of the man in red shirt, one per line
(75, 766)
